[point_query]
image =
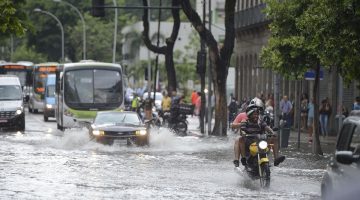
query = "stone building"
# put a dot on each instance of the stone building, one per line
(252, 79)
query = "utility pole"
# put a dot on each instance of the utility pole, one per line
(201, 70)
(209, 75)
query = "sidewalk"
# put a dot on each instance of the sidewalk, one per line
(327, 143)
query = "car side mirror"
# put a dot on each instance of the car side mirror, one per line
(344, 157)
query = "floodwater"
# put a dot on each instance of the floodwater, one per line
(44, 163)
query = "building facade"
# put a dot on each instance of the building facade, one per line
(252, 79)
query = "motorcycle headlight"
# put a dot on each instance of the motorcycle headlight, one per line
(49, 106)
(141, 132)
(263, 145)
(97, 132)
(18, 112)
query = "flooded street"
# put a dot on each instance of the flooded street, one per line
(45, 163)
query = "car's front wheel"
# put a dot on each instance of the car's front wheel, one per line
(142, 141)
(22, 124)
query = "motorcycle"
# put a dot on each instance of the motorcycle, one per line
(177, 123)
(268, 117)
(257, 150)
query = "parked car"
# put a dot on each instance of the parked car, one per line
(117, 125)
(342, 177)
(12, 113)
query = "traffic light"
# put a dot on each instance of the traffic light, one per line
(146, 73)
(201, 62)
(98, 9)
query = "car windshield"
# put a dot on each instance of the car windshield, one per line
(10, 92)
(117, 118)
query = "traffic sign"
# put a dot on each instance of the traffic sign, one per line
(310, 75)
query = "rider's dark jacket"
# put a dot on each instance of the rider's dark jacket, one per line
(253, 128)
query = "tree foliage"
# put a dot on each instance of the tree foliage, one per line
(28, 54)
(219, 57)
(12, 18)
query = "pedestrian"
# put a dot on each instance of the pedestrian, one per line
(285, 108)
(304, 111)
(356, 105)
(310, 118)
(269, 101)
(194, 97)
(325, 112)
(198, 108)
(135, 103)
(165, 103)
(232, 110)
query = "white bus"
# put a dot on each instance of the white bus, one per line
(39, 75)
(84, 88)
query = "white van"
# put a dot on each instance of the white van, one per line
(11, 103)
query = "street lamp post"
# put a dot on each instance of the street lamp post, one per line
(115, 32)
(61, 28)
(83, 23)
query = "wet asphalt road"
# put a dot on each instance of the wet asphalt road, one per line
(44, 163)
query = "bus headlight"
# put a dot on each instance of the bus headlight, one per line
(141, 132)
(18, 112)
(98, 132)
(49, 106)
(263, 145)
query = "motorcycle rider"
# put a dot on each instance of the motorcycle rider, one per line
(253, 125)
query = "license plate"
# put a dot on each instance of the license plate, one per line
(120, 142)
(3, 121)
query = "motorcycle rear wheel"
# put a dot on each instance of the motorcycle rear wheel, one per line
(181, 128)
(265, 175)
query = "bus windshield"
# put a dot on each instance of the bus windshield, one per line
(50, 92)
(10, 92)
(93, 87)
(39, 82)
(21, 75)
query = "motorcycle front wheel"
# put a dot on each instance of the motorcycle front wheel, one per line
(265, 175)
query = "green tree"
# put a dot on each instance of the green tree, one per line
(290, 50)
(334, 27)
(219, 57)
(12, 18)
(167, 49)
(28, 54)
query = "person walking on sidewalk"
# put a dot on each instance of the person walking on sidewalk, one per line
(325, 112)
(310, 120)
(356, 105)
(285, 107)
(304, 111)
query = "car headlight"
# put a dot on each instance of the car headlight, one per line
(141, 132)
(263, 145)
(18, 112)
(49, 106)
(98, 132)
